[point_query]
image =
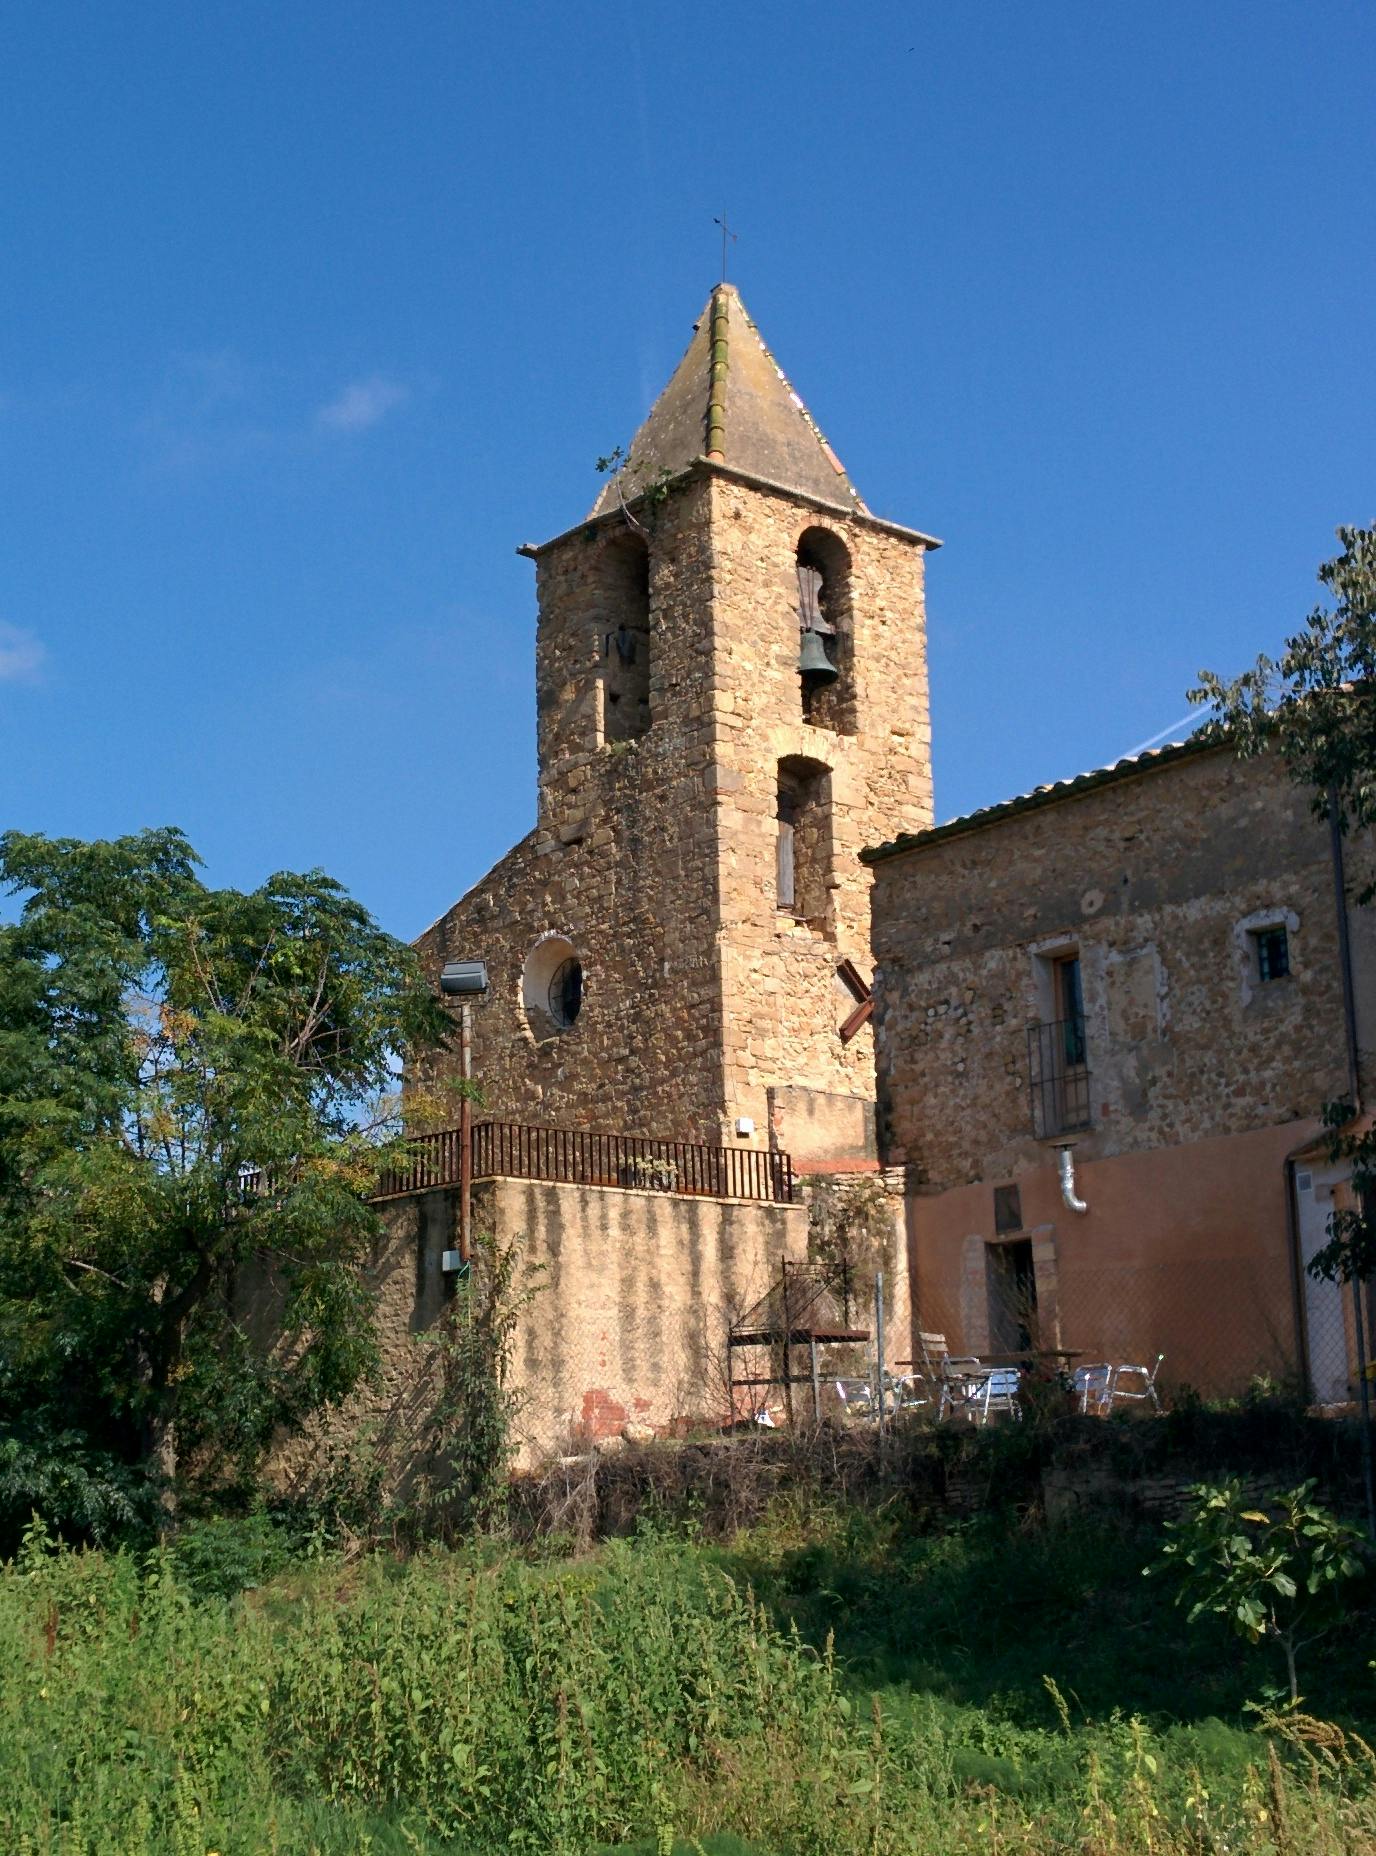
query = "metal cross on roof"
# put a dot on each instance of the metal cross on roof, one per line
(726, 233)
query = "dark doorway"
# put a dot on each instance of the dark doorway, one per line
(1012, 1282)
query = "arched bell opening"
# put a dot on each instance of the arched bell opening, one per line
(805, 853)
(623, 643)
(825, 633)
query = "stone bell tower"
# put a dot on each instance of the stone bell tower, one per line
(732, 694)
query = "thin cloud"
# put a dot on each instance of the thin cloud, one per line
(21, 655)
(209, 410)
(362, 404)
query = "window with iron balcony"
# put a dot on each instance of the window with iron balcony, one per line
(1057, 1058)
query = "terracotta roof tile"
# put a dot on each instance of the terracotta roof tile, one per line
(1049, 794)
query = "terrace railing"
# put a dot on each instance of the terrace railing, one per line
(572, 1156)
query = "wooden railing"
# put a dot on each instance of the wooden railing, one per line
(571, 1156)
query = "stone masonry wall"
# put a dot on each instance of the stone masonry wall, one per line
(782, 1002)
(634, 1295)
(623, 862)
(1154, 879)
(633, 1292)
(1204, 1081)
(656, 857)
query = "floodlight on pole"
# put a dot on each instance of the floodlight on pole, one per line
(463, 979)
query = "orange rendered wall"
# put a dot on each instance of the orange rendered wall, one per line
(1183, 1251)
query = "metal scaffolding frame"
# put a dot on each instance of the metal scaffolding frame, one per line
(808, 1306)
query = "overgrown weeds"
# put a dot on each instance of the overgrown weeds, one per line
(823, 1683)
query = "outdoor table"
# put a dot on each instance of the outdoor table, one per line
(1030, 1355)
(1025, 1358)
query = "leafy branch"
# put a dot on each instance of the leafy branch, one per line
(1271, 1574)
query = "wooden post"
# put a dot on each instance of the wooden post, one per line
(879, 1348)
(816, 1385)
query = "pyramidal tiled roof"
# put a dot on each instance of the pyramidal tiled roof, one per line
(729, 401)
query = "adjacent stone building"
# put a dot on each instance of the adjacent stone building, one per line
(1147, 967)
(680, 947)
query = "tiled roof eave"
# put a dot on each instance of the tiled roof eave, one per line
(705, 467)
(1080, 784)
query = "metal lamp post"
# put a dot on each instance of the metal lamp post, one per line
(465, 980)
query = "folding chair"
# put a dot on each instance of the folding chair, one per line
(1145, 1378)
(856, 1396)
(1091, 1387)
(962, 1383)
(923, 1386)
(999, 1392)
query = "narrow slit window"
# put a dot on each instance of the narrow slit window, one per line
(787, 881)
(805, 853)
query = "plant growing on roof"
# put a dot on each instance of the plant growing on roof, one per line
(653, 493)
(1275, 1574)
(659, 1175)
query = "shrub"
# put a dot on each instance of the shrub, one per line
(1277, 1573)
(225, 1554)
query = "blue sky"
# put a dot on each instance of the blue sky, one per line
(310, 314)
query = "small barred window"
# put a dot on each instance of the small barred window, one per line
(1273, 953)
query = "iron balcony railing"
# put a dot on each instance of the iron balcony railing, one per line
(1058, 1077)
(572, 1156)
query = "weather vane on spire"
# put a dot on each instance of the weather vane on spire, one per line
(726, 233)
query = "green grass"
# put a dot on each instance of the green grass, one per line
(981, 1614)
(835, 1683)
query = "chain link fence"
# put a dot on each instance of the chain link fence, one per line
(1153, 1332)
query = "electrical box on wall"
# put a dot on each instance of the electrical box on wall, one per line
(745, 1127)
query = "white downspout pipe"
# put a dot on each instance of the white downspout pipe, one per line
(1065, 1160)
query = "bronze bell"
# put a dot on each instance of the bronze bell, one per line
(813, 660)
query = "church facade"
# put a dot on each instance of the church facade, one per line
(732, 702)
(1106, 1012)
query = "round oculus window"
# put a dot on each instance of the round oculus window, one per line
(566, 992)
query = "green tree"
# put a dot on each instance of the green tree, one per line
(196, 1090)
(1275, 1574)
(1314, 707)
(1310, 704)
(472, 1431)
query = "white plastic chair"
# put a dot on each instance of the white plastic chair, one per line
(910, 1392)
(1145, 1389)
